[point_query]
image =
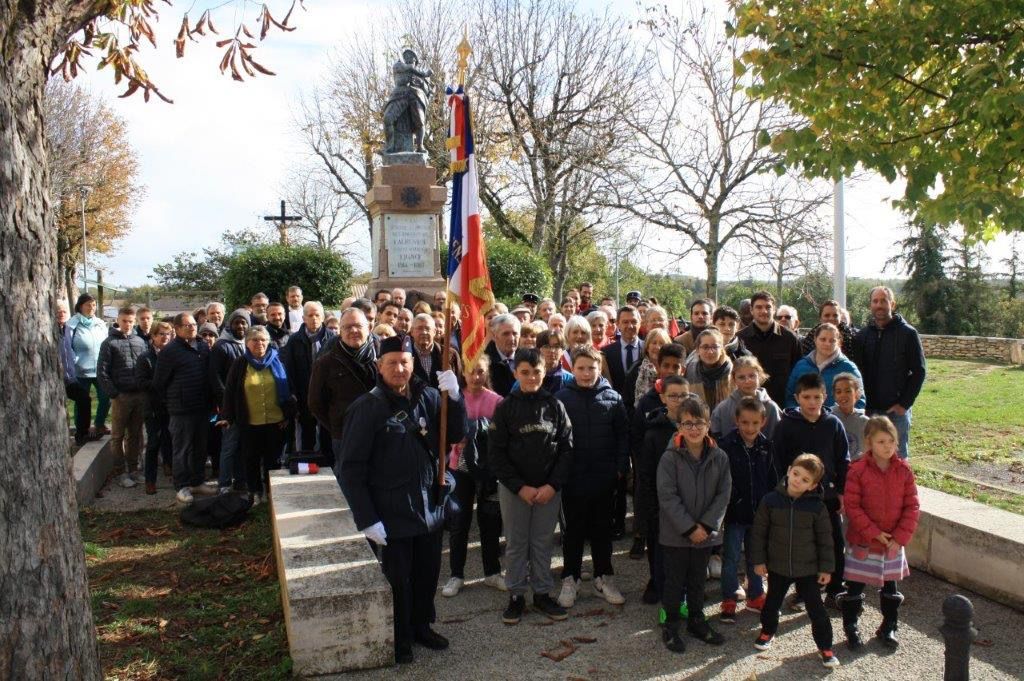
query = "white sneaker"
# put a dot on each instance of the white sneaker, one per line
(138, 476)
(567, 597)
(185, 495)
(256, 500)
(496, 581)
(606, 589)
(452, 587)
(715, 567)
(740, 595)
(126, 481)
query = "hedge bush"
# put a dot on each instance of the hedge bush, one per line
(514, 268)
(321, 274)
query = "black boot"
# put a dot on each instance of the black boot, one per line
(670, 636)
(886, 633)
(852, 606)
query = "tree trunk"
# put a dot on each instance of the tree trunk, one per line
(711, 262)
(46, 628)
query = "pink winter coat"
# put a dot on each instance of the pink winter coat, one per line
(878, 501)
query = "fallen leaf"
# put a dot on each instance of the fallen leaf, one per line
(984, 643)
(257, 637)
(584, 639)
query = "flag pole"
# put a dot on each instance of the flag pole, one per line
(463, 50)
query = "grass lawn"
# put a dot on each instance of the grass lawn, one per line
(172, 602)
(968, 432)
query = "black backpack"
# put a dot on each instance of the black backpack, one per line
(218, 512)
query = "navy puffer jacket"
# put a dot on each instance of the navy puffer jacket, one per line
(600, 436)
(754, 474)
(182, 376)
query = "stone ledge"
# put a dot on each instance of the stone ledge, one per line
(91, 465)
(971, 545)
(336, 601)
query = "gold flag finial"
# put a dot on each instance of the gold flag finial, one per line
(463, 50)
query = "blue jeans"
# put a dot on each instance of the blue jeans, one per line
(902, 424)
(736, 537)
(231, 464)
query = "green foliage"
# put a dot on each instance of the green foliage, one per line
(928, 290)
(323, 275)
(931, 92)
(515, 269)
(191, 271)
(188, 271)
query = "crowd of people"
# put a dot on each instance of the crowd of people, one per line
(746, 447)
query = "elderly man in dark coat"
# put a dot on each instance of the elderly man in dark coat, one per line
(388, 472)
(343, 374)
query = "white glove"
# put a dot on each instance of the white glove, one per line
(376, 534)
(446, 380)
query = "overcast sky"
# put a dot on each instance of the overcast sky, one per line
(216, 159)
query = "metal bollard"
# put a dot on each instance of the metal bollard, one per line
(959, 633)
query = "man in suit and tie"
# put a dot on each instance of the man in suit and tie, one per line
(620, 357)
(505, 334)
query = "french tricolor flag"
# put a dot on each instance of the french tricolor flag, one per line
(468, 280)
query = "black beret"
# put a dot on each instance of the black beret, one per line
(399, 343)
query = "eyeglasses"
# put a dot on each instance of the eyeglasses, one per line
(676, 398)
(188, 326)
(692, 425)
(714, 348)
(784, 316)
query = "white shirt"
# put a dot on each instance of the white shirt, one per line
(294, 317)
(638, 348)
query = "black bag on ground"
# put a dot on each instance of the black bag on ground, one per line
(218, 512)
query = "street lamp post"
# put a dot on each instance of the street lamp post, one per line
(83, 192)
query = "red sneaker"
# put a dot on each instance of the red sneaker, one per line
(756, 604)
(728, 615)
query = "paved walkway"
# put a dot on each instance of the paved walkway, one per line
(624, 642)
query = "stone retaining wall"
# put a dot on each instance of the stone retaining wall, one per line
(1001, 350)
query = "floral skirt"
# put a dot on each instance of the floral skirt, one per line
(868, 567)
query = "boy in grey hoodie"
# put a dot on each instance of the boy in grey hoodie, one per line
(694, 483)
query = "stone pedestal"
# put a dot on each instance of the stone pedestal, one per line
(337, 603)
(406, 206)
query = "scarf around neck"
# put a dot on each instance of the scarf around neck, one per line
(715, 381)
(272, 361)
(83, 321)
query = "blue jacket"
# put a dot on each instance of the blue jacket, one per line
(754, 474)
(388, 467)
(67, 356)
(892, 359)
(600, 436)
(840, 365)
(85, 343)
(826, 438)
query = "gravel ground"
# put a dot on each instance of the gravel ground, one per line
(627, 644)
(626, 640)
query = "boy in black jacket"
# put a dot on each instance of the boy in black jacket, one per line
(809, 430)
(600, 458)
(752, 463)
(661, 426)
(530, 448)
(791, 543)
